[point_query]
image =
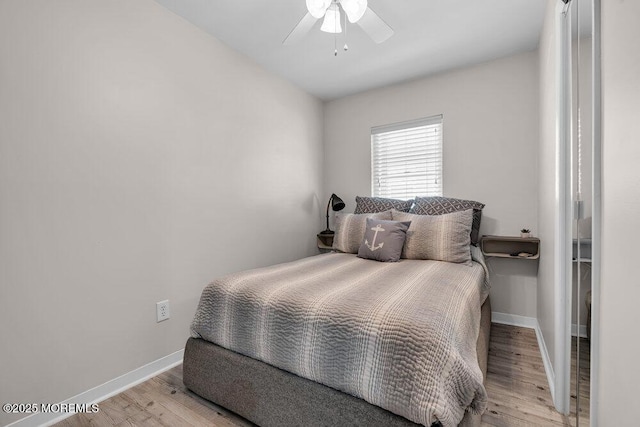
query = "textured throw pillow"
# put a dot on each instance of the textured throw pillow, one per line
(438, 237)
(350, 230)
(380, 204)
(383, 240)
(444, 205)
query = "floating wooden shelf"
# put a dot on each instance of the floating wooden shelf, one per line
(585, 250)
(325, 242)
(510, 247)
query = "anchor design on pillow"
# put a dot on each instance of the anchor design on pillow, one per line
(372, 245)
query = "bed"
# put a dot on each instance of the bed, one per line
(335, 339)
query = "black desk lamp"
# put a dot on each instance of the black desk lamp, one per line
(336, 204)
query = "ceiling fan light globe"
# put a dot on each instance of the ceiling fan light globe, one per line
(354, 9)
(331, 23)
(317, 8)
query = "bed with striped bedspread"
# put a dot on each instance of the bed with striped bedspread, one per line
(401, 336)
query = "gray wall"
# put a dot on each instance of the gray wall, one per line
(617, 365)
(139, 159)
(490, 151)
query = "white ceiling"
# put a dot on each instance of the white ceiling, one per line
(431, 36)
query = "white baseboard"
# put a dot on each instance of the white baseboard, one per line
(546, 361)
(514, 320)
(583, 330)
(531, 323)
(104, 391)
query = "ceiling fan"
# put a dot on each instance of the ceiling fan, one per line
(356, 11)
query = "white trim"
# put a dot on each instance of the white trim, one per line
(546, 361)
(514, 320)
(425, 121)
(596, 219)
(563, 241)
(531, 323)
(106, 390)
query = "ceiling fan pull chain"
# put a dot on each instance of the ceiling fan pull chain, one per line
(346, 48)
(335, 33)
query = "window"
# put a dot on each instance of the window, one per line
(406, 159)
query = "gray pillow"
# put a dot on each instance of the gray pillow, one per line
(438, 237)
(350, 230)
(383, 240)
(380, 204)
(443, 205)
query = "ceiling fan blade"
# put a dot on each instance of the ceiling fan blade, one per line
(375, 27)
(354, 9)
(300, 30)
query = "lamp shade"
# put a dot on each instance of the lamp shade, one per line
(317, 8)
(336, 204)
(331, 23)
(354, 9)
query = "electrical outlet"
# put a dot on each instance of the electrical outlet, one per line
(162, 310)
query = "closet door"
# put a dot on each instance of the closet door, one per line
(584, 163)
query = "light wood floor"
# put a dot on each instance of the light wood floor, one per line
(516, 384)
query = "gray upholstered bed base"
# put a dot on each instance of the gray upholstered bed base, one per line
(268, 396)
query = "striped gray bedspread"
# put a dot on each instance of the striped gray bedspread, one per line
(401, 336)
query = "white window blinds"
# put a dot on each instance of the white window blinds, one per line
(406, 159)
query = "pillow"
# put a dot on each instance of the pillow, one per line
(380, 204)
(350, 230)
(444, 205)
(438, 237)
(383, 240)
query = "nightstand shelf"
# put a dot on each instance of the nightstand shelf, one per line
(510, 247)
(325, 242)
